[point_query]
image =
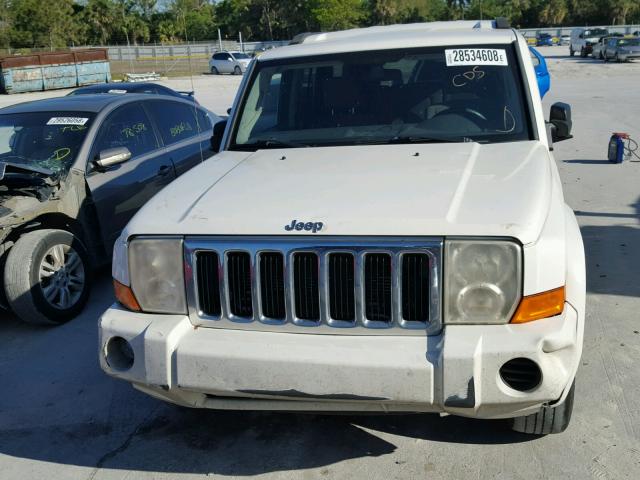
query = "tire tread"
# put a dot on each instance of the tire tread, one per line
(17, 277)
(548, 419)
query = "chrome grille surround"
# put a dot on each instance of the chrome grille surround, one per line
(321, 246)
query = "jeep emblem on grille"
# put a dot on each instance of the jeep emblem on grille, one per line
(308, 226)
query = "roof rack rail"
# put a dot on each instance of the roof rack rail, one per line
(299, 38)
(502, 23)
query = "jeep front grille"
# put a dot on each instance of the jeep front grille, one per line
(306, 292)
(272, 293)
(209, 292)
(377, 286)
(337, 285)
(239, 284)
(415, 287)
(342, 287)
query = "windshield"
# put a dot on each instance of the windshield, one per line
(474, 94)
(629, 42)
(595, 32)
(241, 56)
(48, 140)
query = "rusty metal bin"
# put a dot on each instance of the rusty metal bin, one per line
(48, 71)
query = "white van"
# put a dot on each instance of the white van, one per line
(583, 39)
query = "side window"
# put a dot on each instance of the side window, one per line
(176, 121)
(226, 56)
(6, 139)
(217, 56)
(204, 122)
(128, 127)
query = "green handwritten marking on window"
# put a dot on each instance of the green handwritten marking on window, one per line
(73, 128)
(180, 128)
(60, 154)
(133, 130)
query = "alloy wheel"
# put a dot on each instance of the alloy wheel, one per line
(62, 276)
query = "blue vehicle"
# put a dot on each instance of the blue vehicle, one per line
(544, 39)
(542, 72)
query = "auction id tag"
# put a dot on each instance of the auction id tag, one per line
(475, 56)
(67, 121)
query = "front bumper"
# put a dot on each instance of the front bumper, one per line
(455, 372)
(629, 56)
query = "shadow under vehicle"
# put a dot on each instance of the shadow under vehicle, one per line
(73, 171)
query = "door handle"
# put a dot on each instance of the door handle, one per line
(164, 170)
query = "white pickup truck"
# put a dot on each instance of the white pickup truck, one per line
(383, 230)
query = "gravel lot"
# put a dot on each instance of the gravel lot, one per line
(61, 417)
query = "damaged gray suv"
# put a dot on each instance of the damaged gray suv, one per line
(73, 171)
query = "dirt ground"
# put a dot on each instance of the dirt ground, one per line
(61, 417)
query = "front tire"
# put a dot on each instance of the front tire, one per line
(47, 277)
(571, 52)
(237, 71)
(583, 53)
(548, 419)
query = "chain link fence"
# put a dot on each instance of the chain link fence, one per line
(164, 59)
(176, 59)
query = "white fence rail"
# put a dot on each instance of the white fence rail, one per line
(149, 52)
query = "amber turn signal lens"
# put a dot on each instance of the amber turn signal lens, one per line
(538, 306)
(125, 296)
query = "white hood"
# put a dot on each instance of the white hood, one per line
(396, 190)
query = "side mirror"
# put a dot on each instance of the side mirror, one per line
(560, 118)
(112, 156)
(218, 133)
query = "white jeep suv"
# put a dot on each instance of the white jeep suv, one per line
(383, 230)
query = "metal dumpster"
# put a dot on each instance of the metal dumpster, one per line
(48, 71)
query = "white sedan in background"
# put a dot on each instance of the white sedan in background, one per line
(229, 62)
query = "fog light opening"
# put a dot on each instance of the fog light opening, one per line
(521, 374)
(119, 354)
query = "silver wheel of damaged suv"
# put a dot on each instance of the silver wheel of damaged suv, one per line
(62, 276)
(47, 277)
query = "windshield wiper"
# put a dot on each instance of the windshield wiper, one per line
(269, 143)
(419, 139)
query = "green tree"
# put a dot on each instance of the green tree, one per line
(100, 18)
(338, 14)
(554, 12)
(5, 24)
(622, 10)
(194, 19)
(34, 26)
(385, 12)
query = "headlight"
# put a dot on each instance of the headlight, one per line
(157, 276)
(482, 281)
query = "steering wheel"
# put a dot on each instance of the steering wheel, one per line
(467, 112)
